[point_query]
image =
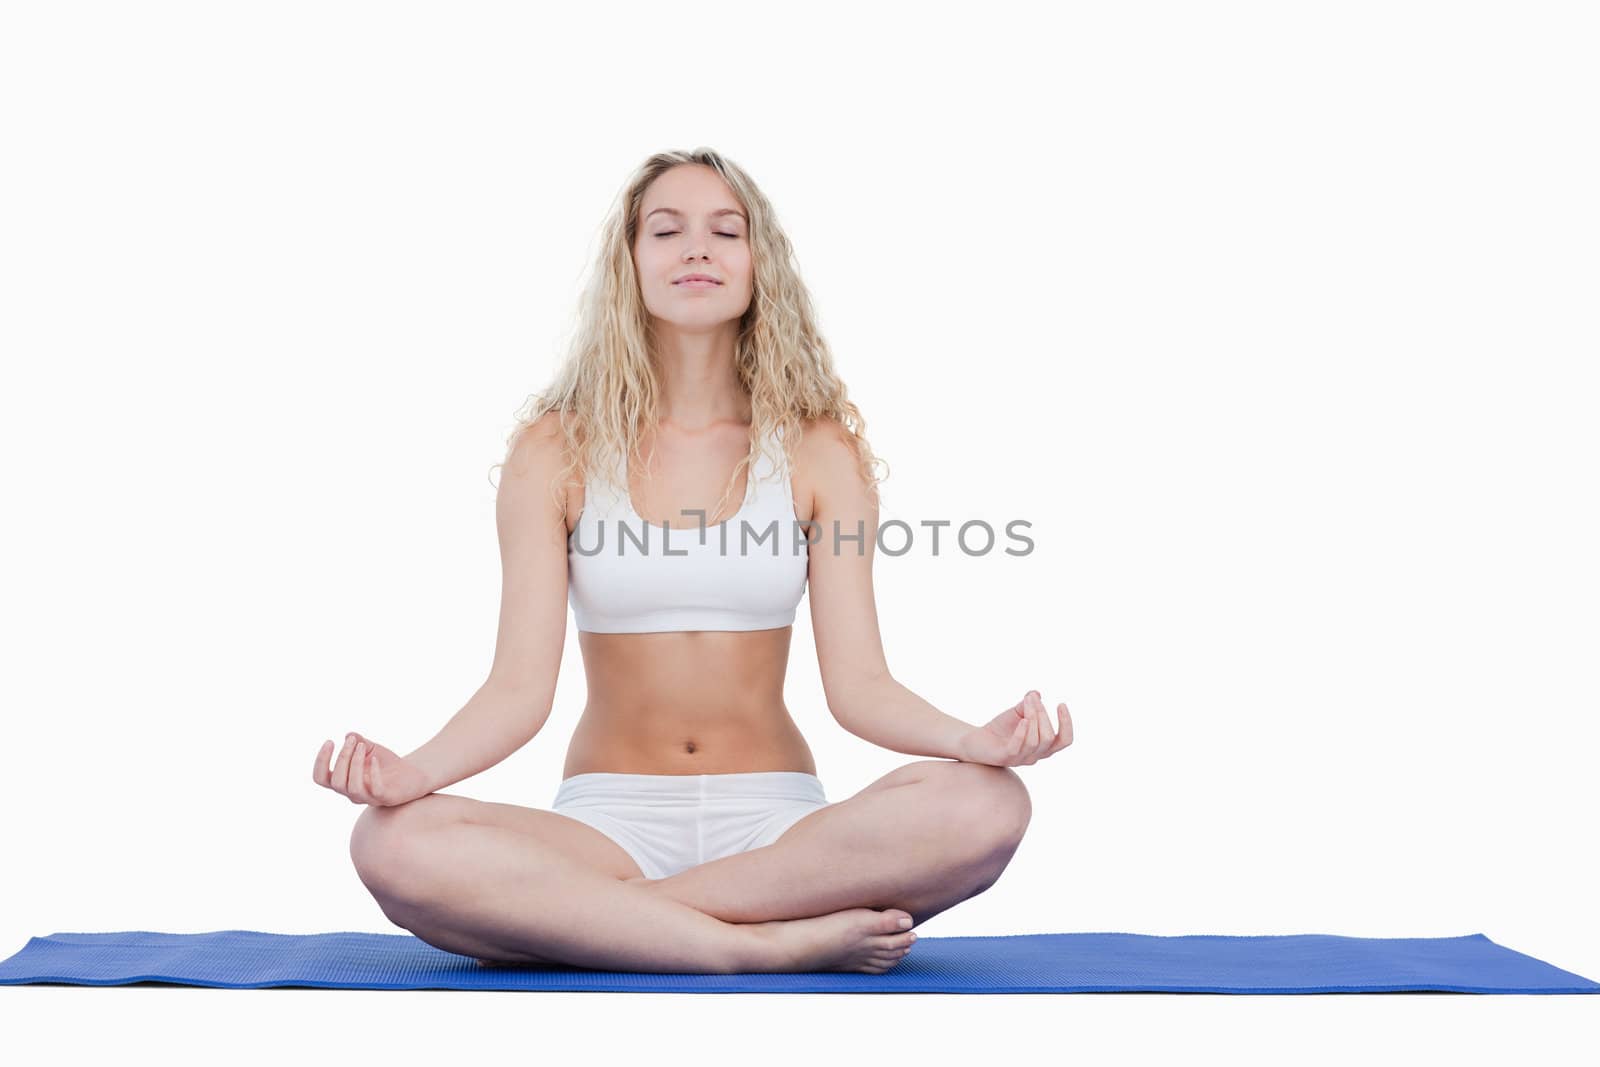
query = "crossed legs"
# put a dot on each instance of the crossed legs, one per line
(512, 884)
(922, 838)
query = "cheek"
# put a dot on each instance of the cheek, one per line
(654, 252)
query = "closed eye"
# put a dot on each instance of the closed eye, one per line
(669, 233)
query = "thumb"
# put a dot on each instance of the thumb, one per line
(991, 748)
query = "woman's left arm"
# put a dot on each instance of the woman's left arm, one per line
(861, 693)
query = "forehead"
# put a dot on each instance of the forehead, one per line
(691, 189)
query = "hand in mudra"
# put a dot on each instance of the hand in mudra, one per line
(368, 773)
(1018, 736)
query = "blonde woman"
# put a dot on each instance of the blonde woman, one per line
(690, 832)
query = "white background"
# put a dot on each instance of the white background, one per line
(1276, 321)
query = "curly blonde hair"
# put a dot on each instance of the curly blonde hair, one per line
(606, 392)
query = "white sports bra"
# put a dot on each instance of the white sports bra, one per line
(628, 575)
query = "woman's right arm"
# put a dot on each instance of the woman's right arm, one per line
(514, 703)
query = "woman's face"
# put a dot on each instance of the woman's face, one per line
(690, 223)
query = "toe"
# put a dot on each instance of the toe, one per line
(892, 919)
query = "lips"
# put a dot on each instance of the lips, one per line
(688, 279)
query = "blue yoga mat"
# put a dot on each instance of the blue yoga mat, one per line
(1025, 963)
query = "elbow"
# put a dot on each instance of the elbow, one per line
(524, 701)
(849, 702)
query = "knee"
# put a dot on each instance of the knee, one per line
(992, 804)
(383, 848)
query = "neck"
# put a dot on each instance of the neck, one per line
(699, 387)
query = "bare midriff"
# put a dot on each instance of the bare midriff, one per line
(686, 702)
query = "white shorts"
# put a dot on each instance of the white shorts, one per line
(671, 822)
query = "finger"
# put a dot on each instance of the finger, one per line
(376, 776)
(341, 766)
(319, 769)
(1064, 735)
(343, 780)
(358, 774)
(1031, 748)
(1047, 733)
(372, 746)
(352, 779)
(1019, 739)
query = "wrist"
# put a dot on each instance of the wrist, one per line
(433, 776)
(958, 744)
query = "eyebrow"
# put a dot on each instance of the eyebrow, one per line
(714, 214)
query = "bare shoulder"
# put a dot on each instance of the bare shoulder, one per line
(531, 466)
(540, 442)
(827, 466)
(826, 443)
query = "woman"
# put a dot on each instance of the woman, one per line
(690, 832)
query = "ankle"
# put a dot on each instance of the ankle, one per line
(764, 949)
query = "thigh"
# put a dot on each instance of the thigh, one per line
(956, 784)
(907, 775)
(573, 839)
(753, 809)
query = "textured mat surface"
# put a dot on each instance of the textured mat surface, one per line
(1024, 963)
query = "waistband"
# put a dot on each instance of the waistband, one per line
(776, 785)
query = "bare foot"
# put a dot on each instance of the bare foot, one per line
(856, 939)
